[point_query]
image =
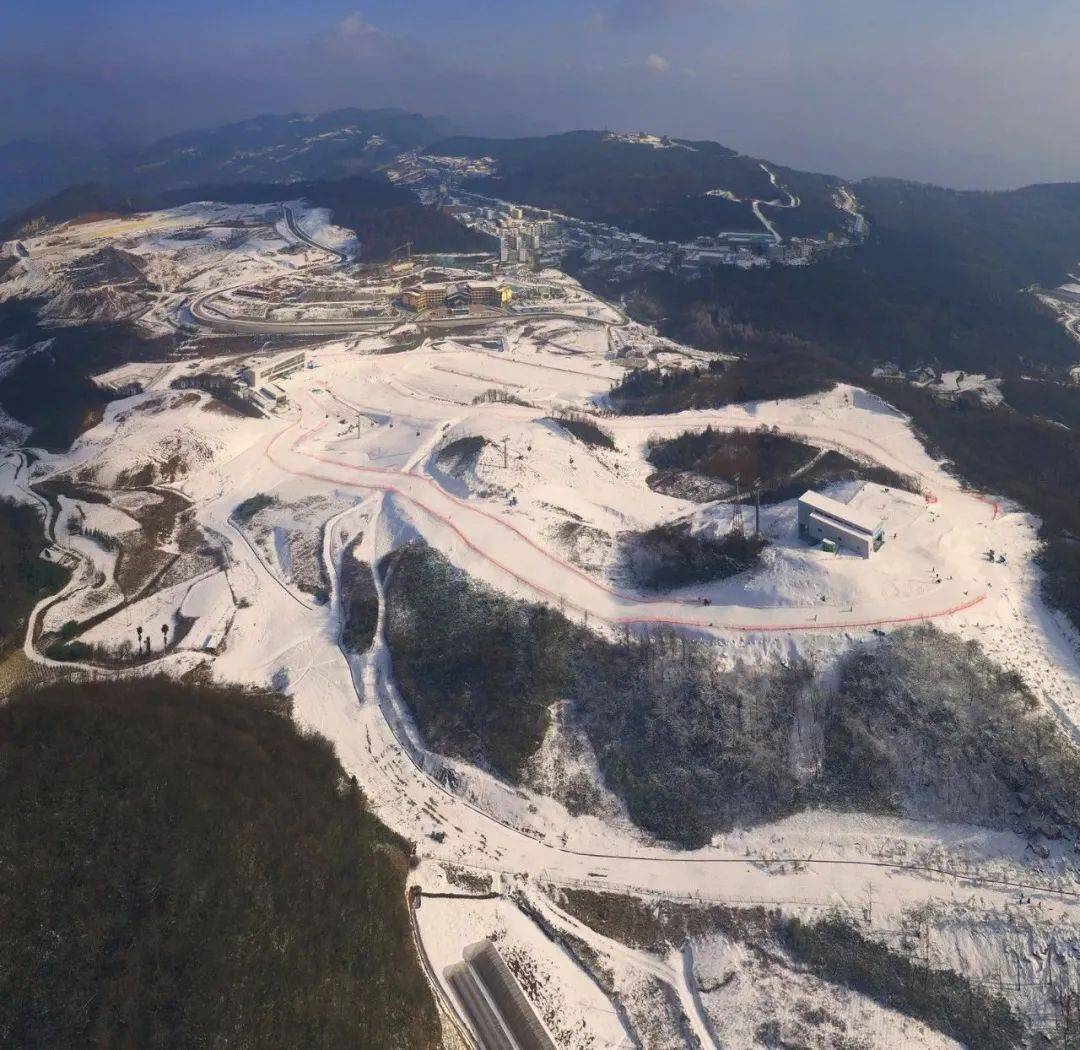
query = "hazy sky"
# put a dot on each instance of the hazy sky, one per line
(963, 92)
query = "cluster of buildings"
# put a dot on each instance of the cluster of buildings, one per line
(745, 249)
(425, 290)
(519, 246)
(521, 237)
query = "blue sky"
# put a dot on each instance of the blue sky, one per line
(981, 92)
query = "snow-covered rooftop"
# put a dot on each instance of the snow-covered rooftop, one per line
(844, 513)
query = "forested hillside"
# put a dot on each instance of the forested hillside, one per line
(283, 147)
(693, 749)
(182, 867)
(662, 191)
(25, 576)
(50, 387)
(383, 216)
(886, 301)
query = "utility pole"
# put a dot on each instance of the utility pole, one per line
(757, 507)
(506, 456)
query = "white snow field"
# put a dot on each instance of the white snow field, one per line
(365, 449)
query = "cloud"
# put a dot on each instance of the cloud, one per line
(657, 63)
(355, 24)
(355, 42)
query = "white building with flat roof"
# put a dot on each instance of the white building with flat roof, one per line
(826, 519)
(259, 370)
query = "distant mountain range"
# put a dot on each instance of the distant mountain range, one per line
(667, 189)
(664, 188)
(263, 149)
(940, 279)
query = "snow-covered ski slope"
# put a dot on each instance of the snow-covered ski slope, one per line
(364, 450)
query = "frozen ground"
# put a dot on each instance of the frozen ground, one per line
(367, 446)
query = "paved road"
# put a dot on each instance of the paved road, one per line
(206, 313)
(294, 229)
(203, 309)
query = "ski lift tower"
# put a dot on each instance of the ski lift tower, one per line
(736, 510)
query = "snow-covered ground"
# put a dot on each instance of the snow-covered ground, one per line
(159, 258)
(985, 388)
(367, 446)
